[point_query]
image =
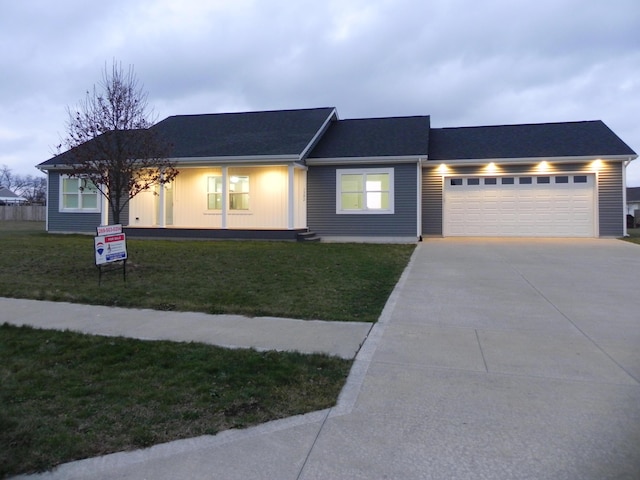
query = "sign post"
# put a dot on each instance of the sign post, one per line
(110, 248)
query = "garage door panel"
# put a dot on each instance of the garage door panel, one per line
(535, 209)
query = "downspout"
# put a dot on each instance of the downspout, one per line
(625, 233)
(419, 199)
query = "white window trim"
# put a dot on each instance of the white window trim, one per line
(363, 171)
(61, 209)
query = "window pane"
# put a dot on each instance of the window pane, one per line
(378, 182)
(562, 179)
(239, 184)
(351, 183)
(88, 186)
(214, 201)
(214, 185)
(507, 181)
(70, 200)
(239, 201)
(89, 200)
(490, 181)
(580, 179)
(525, 180)
(543, 179)
(351, 201)
(473, 181)
(70, 185)
(456, 181)
(238, 193)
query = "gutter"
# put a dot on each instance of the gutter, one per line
(527, 160)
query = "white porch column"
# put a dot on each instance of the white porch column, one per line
(291, 198)
(419, 199)
(162, 221)
(225, 196)
(104, 217)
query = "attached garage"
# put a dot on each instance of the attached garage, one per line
(561, 205)
(531, 180)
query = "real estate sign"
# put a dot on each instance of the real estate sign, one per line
(109, 229)
(110, 248)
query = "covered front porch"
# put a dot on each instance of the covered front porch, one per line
(223, 198)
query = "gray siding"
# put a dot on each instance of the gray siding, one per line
(67, 222)
(431, 201)
(609, 192)
(610, 207)
(73, 222)
(321, 205)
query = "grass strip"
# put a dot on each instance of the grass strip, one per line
(66, 396)
(347, 282)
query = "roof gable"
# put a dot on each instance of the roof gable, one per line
(569, 139)
(375, 137)
(269, 133)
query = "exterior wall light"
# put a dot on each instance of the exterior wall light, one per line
(443, 168)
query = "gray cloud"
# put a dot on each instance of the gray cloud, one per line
(464, 63)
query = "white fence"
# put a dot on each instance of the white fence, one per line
(23, 213)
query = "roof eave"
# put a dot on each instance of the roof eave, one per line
(365, 160)
(229, 160)
(525, 160)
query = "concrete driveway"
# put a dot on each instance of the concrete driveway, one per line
(493, 359)
(500, 359)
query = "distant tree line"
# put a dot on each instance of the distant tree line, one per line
(31, 187)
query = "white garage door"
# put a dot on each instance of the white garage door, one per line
(520, 206)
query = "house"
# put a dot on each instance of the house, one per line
(278, 174)
(633, 200)
(7, 197)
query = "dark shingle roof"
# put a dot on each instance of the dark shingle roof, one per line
(272, 133)
(283, 132)
(375, 137)
(130, 139)
(633, 194)
(570, 139)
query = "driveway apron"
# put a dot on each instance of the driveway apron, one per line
(493, 359)
(501, 358)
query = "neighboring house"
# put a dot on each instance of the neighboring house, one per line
(7, 197)
(633, 200)
(276, 174)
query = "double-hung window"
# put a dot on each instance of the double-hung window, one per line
(238, 193)
(368, 191)
(214, 193)
(78, 195)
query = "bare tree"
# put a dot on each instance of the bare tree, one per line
(30, 187)
(34, 190)
(110, 141)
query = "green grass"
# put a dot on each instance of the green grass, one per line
(349, 282)
(67, 396)
(634, 235)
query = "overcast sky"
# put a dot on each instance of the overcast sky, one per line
(463, 62)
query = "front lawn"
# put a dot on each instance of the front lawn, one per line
(634, 235)
(66, 396)
(349, 282)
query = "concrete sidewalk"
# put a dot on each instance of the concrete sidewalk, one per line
(342, 339)
(493, 359)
